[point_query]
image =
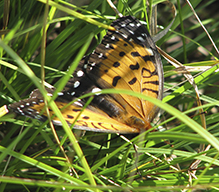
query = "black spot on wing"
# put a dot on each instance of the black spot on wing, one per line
(76, 110)
(135, 54)
(121, 54)
(151, 73)
(70, 116)
(115, 80)
(148, 58)
(152, 82)
(132, 81)
(116, 64)
(134, 67)
(151, 90)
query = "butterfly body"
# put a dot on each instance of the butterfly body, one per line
(127, 58)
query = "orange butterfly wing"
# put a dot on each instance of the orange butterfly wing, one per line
(126, 59)
(86, 121)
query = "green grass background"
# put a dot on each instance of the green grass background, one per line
(30, 157)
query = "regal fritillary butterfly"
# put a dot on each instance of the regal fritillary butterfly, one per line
(127, 58)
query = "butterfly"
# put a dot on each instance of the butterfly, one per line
(127, 58)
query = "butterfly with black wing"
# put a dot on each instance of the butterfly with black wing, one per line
(127, 58)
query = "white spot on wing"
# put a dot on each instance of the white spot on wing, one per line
(80, 73)
(18, 108)
(78, 104)
(107, 46)
(113, 38)
(123, 25)
(132, 24)
(93, 64)
(60, 93)
(150, 51)
(130, 31)
(100, 55)
(140, 39)
(56, 122)
(124, 35)
(76, 84)
(96, 89)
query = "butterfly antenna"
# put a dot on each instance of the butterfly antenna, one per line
(114, 8)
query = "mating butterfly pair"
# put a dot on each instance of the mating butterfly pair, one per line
(127, 58)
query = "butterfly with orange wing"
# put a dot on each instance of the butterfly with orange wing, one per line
(127, 58)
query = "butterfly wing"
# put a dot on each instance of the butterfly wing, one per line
(126, 59)
(90, 119)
